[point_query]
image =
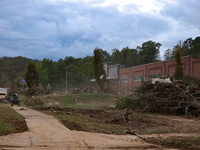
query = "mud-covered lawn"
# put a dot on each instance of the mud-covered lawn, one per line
(11, 121)
(139, 122)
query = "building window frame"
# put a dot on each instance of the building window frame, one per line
(137, 78)
(124, 80)
(156, 75)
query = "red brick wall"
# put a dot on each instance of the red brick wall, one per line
(195, 67)
(136, 71)
(125, 73)
(166, 68)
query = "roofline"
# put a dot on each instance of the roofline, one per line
(113, 65)
(153, 63)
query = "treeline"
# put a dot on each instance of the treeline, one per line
(80, 70)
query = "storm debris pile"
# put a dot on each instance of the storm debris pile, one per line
(77, 90)
(178, 97)
(34, 102)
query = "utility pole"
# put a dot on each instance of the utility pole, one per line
(66, 80)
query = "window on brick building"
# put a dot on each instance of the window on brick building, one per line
(124, 80)
(138, 78)
(154, 76)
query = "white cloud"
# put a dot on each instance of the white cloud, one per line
(58, 28)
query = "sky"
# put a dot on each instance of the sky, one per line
(55, 29)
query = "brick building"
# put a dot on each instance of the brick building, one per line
(128, 79)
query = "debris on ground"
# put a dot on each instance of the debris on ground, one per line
(34, 102)
(78, 101)
(178, 97)
(77, 90)
(138, 122)
(134, 133)
(92, 90)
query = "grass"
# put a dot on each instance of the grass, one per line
(88, 124)
(7, 114)
(89, 100)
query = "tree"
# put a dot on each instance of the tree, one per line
(75, 78)
(149, 52)
(99, 72)
(13, 88)
(87, 70)
(168, 54)
(116, 57)
(178, 74)
(43, 74)
(182, 50)
(32, 76)
(188, 45)
(105, 55)
(195, 51)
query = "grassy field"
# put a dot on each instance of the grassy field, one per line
(89, 100)
(10, 120)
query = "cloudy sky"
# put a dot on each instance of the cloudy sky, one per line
(55, 29)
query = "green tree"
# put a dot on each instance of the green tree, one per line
(183, 51)
(178, 74)
(168, 54)
(43, 74)
(188, 45)
(105, 55)
(116, 57)
(13, 88)
(149, 52)
(87, 70)
(75, 78)
(195, 51)
(129, 57)
(99, 72)
(32, 76)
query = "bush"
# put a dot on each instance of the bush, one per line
(130, 102)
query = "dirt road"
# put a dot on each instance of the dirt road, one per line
(46, 132)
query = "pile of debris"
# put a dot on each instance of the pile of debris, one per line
(34, 102)
(175, 96)
(77, 90)
(92, 90)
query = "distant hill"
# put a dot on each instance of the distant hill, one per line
(12, 68)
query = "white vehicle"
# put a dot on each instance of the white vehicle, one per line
(3, 93)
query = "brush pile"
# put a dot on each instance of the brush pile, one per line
(178, 97)
(34, 102)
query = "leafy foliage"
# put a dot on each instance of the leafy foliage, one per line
(32, 76)
(13, 88)
(98, 69)
(75, 77)
(178, 74)
(149, 52)
(130, 102)
(195, 51)
(11, 68)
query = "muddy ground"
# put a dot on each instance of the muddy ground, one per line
(20, 126)
(155, 127)
(162, 126)
(142, 123)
